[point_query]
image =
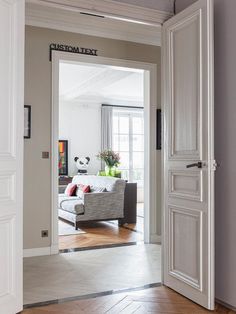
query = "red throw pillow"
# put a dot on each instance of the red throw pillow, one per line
(70, 189)
(84, 188)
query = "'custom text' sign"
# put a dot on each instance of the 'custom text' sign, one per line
(67, 48)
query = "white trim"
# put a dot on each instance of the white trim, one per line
(54, 249)
(109, 8)
(41, 251)
(150, 99)
(67, 20)
(54, 154)
(155, 239)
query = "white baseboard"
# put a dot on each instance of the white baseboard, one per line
(37, 251)
(54, 249)
(155, 238)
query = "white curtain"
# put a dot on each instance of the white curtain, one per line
(106, 131)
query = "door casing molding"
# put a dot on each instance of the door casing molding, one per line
(150, 101)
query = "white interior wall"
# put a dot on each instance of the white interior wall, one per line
(81, 126)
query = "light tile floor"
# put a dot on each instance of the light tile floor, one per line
(85, 272)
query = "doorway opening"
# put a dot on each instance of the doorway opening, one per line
(120, 142)
(106, 245)
(101, 140)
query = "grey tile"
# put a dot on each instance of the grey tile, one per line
(86, 272)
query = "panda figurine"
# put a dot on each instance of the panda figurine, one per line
(82, 164)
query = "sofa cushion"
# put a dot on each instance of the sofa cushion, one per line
(79, 193)
(81, 189)
(97, 189)
(72, 204)
(70, 189)
(84, 188)
(111, 184)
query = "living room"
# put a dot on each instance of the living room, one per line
(101, 110)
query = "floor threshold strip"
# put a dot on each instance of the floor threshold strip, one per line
(91, 295)
(105, 246)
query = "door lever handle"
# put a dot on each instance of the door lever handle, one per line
(197, 164)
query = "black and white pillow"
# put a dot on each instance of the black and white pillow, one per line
(97, 189)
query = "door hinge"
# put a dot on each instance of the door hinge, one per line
(214, 165)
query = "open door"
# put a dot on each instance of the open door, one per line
(189, 153)
(11, 153)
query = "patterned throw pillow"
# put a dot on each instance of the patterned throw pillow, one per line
(97, 189)
(70, 189)
(84, 188)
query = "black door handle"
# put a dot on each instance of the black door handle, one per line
(197, 164)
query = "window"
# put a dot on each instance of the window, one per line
(128, 141)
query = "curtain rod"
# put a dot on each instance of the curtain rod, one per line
(117, 106)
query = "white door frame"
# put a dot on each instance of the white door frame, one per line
(150, 106)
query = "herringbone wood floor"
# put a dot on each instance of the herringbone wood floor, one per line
(159, 300)
(99, 233)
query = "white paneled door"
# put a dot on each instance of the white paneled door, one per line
(189, 153)
(11, 153)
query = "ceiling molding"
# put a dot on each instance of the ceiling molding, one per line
(65, 15)
(109, 8)
(95, 102)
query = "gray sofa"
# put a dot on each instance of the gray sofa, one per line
(107, 205)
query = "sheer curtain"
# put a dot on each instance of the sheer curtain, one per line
(106, 130)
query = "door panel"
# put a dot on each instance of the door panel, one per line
(185, 228)
(188, 137)
(185, 56)
(7, 144)
(186, 185)
(6, 227)
(11, 153)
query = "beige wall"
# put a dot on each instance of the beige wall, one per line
(37, 171)
(225, 147)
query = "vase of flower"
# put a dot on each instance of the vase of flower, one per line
(110, 171)
(111, 160)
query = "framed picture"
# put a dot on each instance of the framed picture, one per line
(27, 121)
(63, 157)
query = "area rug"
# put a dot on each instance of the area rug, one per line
(67, 229)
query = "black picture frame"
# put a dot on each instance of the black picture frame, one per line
(63, 157)
(27, 121)
(158, 129)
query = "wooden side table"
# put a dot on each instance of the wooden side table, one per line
(63, 181)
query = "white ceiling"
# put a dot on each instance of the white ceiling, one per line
(84, 84)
